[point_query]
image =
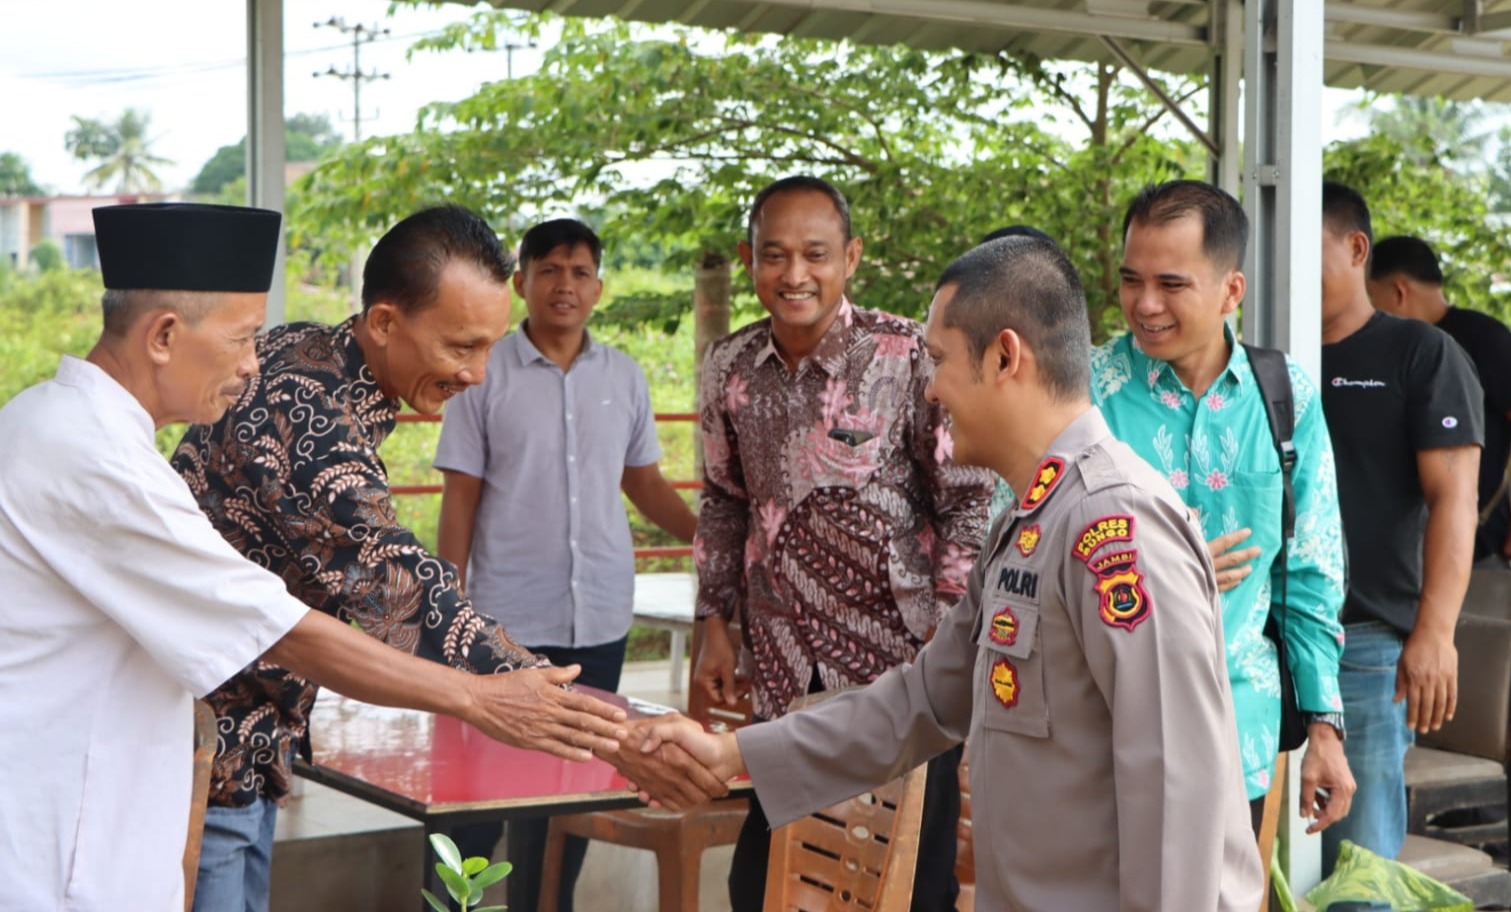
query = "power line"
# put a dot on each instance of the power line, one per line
(361, 34)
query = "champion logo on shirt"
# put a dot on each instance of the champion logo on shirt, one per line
(1450, 422)
(1362, 384)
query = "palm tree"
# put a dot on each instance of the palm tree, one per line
(121, 149)
(1428, 128)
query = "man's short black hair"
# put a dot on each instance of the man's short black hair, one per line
(1027, 285)
(1017, 231)
(1344, 210)
(1224, 225)
(547, 236)
(1408, 256)
(404, 268)
(796, 184)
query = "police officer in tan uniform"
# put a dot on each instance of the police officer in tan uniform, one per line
(1085, 662)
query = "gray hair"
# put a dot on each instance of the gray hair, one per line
(121, 307)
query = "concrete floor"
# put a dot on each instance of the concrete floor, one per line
(334, 853)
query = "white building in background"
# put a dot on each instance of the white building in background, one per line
(26, 221)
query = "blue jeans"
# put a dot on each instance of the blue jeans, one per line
(1376, 744)
(236, 858)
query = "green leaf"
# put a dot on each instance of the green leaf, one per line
(447, 851)
(490, 909)
(456, 884)
(492, 875)
(473, 865)
(435, 904)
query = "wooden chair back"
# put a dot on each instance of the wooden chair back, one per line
(857, 855)
(204, 759)
(1269, 824)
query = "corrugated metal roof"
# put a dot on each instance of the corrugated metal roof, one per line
(1456, 48)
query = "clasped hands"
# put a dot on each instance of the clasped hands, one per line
(671, 762)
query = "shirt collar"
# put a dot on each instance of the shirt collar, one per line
(1156, 372)
(829, 355)
(380, 412)
(90, 377)
(527, 353)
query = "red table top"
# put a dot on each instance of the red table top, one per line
(423, 765)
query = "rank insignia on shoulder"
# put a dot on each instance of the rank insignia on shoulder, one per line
(1005, 683)
(1004, 630)
(1117, 527)
(1124, 601)
(1046, 477)
(1028, 539)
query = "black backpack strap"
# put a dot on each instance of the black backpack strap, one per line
(1274, 378)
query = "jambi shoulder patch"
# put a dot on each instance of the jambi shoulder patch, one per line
(1123, 600)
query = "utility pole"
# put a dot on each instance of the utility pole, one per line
(509, 48)
(361, 34)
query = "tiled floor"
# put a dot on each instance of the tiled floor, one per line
(339, 854)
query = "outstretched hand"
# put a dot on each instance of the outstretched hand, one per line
(529, 708)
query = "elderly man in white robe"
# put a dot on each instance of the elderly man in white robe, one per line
(122, 603)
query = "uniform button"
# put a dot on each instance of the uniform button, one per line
(569, 416)
(571, 459)
(573, 543)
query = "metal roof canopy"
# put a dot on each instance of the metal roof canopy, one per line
(1283, 51)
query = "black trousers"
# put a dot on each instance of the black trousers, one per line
(525, 847)
(934, 885)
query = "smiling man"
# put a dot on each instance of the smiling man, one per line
(1181, 391)
(535, 458)
(833, 515)
(292, 478)
(1084, 661)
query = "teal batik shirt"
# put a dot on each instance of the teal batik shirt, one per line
(1218, 454)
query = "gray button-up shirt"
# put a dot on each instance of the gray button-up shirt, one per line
(552, 556)
(1086, 664)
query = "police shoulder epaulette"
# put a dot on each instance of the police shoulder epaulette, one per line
(1099, 470)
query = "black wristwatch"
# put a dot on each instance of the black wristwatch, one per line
(1335, 719)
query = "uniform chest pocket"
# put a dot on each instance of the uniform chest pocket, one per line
(1009, 691)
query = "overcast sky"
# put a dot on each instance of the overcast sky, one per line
(183, 61)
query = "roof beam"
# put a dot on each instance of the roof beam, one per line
(1009, 15)
(1385, 17)
(1413, 59)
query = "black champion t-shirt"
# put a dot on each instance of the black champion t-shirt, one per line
(1389, 390)
(1488, 343)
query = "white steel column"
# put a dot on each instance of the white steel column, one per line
(1282, 182)
(1223, 112)
(265, 146)
(1282, 178)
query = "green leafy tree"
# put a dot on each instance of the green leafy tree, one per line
(1446, 208)
(15, 177)
(121, 151)
(306, 138)
(670, 133)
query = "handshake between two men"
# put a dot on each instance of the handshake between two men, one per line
(667, 759)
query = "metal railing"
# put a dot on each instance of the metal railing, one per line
(640, 553)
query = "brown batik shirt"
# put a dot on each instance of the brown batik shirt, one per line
(832, 513)
(292, 478)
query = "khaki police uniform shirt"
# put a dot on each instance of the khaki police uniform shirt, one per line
(1086, 665)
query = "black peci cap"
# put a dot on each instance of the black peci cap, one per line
(187, 247)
